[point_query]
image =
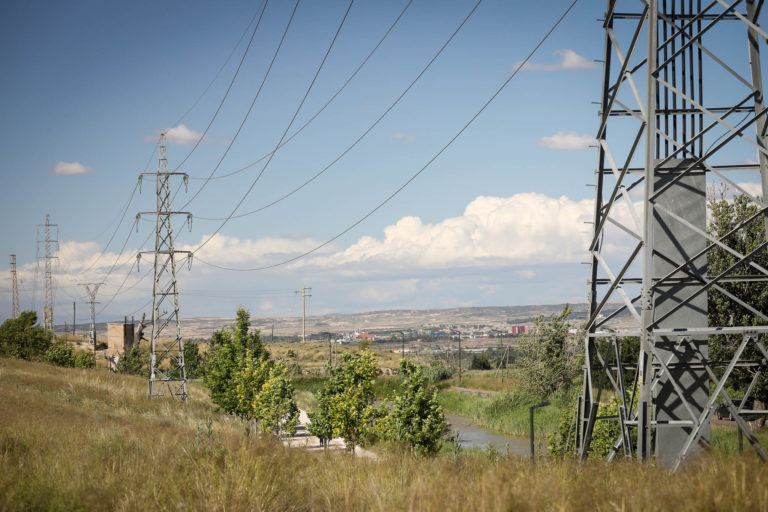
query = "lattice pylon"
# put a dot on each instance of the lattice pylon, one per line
(650, 254)
(167, 372)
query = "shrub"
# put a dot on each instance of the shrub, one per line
(85, 360)
(479, 362)
(60, 354)
(437, 372)
(134, 361)
(20, 338)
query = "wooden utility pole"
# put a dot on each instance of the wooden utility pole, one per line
(304, 296)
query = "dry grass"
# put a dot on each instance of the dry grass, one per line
(89, 440)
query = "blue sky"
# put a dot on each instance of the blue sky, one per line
(88, 86)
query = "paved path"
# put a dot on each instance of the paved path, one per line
(303, 439)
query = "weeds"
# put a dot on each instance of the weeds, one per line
(112, 449)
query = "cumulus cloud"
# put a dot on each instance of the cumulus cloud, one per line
(228, 250)
(569, 59)
(182, 136)
(401, 137)
(524, 229)
(570, 140)
(70, 168)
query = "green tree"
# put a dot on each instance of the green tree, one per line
(725, 216)
(546, 360)
(275, 406)
(193, 362)
(244, 380)
(21, 338)
(134, 361)
(416, 418)
(479, 362)
(232, 360)
(345, 405)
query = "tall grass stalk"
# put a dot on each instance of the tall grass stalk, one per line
(89, 440)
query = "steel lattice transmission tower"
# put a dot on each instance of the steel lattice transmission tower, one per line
(49, 243)
(92, 289)
(682, 108)
(14, 289)
(165, 291)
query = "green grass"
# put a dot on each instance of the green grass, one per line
(507, 412)
(725, 440)
(90, 440)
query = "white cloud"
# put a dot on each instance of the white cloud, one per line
(524, 229)
(570, 140)
(182, 136)
(401, 137)
(70, 168)
(569, 59)
(238, 252)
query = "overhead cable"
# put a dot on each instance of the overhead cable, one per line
(415, 175)
(287, 128)
(367, 130)
(316, 114)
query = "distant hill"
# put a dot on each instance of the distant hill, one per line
(469, 317)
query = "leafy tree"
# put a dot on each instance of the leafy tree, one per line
(416, 417)
(275, 406)
(726, 215)
(345, 406)
(604, 433)
(134, 361)
(244, 380)
(547, 361)
(21, 338)
(60, 354)
(233, 357)
(193, 362)
(479, 362)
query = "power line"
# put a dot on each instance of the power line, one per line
(250, 108)
(367, 131)
(335, 95)
(154, 149)
(414, 176)
(287, 128)
(218, 73)
(231, 83)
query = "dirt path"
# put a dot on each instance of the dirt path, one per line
(303, 439)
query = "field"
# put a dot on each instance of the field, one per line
(90, 440)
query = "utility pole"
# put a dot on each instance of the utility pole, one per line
(91, 289)
(15, 289)
(48, 308)
(165, 290)
(74, 317)
(458, 332)
(304, 296)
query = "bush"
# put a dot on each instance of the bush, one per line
(437, 372)
(479, 362)
(20, 338)
(85, 360)
(60, 355)
(134, 362)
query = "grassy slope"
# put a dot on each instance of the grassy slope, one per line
(89, 440)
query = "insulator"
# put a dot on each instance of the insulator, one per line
(141, 178)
